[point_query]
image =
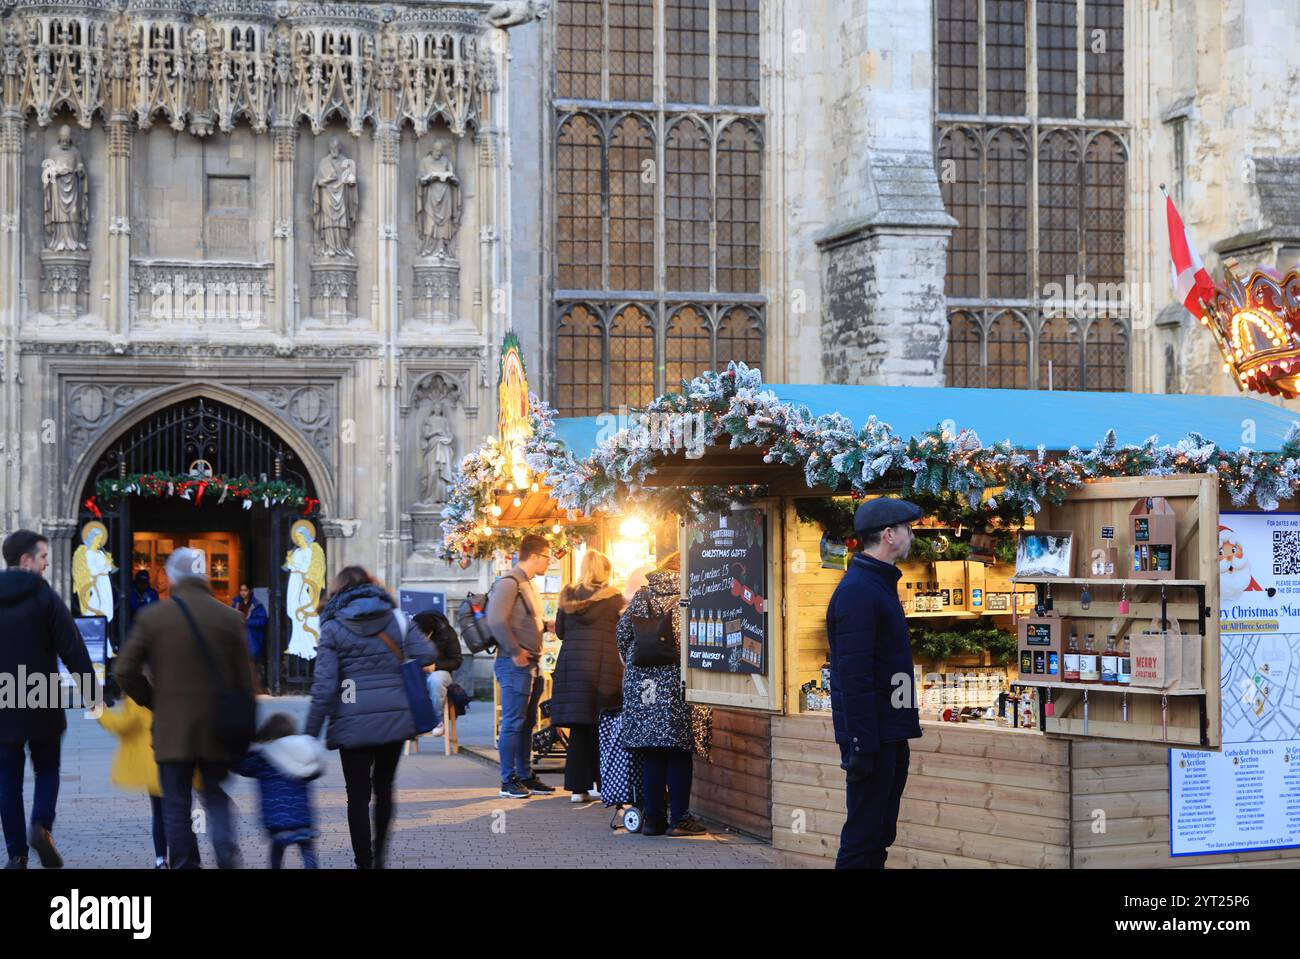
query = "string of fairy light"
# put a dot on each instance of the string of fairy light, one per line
(982, 483)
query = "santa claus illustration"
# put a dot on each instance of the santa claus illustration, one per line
(1235, 578)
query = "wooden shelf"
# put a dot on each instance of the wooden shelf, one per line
(1107, 688)
(1082, 581)
(963, 614)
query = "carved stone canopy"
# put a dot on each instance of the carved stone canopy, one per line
(274, 63)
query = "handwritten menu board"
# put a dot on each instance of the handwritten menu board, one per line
(726, 588)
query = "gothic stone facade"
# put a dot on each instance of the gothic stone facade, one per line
(294, 208)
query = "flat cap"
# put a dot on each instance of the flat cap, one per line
(885, 511)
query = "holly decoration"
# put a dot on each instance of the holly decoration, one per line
(195, 488)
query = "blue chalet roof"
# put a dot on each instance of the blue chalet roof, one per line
(1057, 419)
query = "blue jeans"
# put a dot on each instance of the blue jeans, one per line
(670, 769)
(45, 794)
(521, 691)
(438, 681)
(178, 800)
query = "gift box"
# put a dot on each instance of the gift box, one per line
(1154, 539)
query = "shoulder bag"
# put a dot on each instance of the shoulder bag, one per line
(417, 690)
(235, 722)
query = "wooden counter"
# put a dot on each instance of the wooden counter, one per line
(975, 797)
(980, 797)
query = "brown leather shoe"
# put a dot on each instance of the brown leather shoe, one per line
(41, 840)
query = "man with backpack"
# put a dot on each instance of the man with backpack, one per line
(36, 630)
(514, 618)
(202, 697)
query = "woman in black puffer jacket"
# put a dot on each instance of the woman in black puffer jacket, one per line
(589, 674)
(370, 723)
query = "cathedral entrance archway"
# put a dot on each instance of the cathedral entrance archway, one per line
(204, 474)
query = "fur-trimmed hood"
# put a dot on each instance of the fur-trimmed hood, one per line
(578, 599)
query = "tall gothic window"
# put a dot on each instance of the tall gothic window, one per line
(658, 200)
(1036, 176)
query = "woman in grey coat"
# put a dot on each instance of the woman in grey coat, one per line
(370, 716)
(656, 717)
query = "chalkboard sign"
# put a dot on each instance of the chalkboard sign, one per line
(726, 589)
(415, 601)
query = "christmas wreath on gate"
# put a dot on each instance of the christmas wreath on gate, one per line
(199, 487)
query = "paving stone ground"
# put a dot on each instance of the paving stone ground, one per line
(448, 815)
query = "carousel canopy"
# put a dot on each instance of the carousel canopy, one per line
(1056, 419)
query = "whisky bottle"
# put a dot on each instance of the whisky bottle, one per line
(1070, 669)
(1124, 675)
(1089, 667)
(1110, 663)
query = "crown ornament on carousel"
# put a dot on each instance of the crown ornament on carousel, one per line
(1256, 323)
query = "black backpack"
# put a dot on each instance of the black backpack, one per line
(655, 644)
(471, 621)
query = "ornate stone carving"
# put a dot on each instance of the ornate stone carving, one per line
(8, 222)
(310, 409)
(65, 285)
(334, 290)
(119, 226)
(92, 407)
(511, 14)
(437, 201)
(67, 200)
(283, 230)
(435, 298)
(190, 349)
(334, 203)
(194, 65)
(177, 294)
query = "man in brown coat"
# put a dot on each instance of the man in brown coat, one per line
(181, 690)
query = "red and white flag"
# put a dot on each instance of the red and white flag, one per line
(1192, 282)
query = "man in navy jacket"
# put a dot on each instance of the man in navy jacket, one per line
(873, 690)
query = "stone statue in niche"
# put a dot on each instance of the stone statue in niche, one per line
(67, 199)
(437, 201)
(436, 449)
(334, 202)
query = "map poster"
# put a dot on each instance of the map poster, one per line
(726, 590)
(1247, 797)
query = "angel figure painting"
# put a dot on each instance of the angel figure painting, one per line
(91, 569)
(306, 566)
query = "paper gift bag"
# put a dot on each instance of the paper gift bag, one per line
(1165, 659)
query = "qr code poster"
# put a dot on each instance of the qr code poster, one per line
(1259, 572)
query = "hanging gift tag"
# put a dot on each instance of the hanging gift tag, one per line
(1085, 598)
(1048, 709)
(1123, 600)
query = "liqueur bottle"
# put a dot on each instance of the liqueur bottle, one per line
(1124, 675)
(1089, 667)
(1070, 668)
(1110, 663)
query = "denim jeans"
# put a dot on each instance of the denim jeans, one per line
(45, 793)
(178, 800)
(438, 681)
(670, 769)
(521, 690)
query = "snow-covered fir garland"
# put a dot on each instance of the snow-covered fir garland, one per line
(953, 475)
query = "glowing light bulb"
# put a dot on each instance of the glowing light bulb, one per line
(633, 528)
(510, 487)
(518, 502)
(535, 487)
(495, 509)
(555, 528)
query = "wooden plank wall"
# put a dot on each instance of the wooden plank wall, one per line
(1129, 784)
(978, 798)
(736, 787)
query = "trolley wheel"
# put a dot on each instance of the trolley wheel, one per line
(632, 819)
